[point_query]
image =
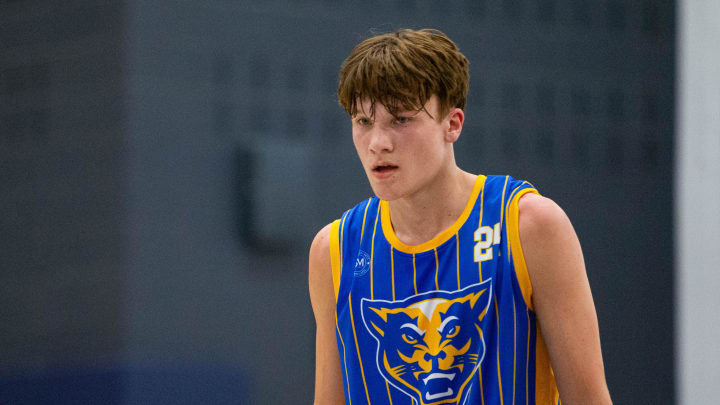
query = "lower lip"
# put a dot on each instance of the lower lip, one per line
(384, 174)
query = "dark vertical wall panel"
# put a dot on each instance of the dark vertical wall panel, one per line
(62, 249)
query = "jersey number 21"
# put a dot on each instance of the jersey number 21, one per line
(486, 237)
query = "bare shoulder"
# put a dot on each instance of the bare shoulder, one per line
(549, 242)
(320, 247)
(538, 215)
(320, 271)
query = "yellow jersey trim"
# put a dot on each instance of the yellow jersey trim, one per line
(515, 320)
(438, 240)
(335, 261)
(518, 257)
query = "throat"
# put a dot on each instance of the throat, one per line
(419, 220)
(420, 228)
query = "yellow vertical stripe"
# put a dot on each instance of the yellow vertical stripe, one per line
(482, 392)
(497, 315)
(362, 230)
(437, 269)
(545, 387)
(388, 391)
(342, 233)
(414, 274)
(482, 204)
(362, 371)
(457, 257)
(527, 361)
(502, 208)
(392, 275)
(335, 258)
(392, 271)
(502, 203)
(514, 349)
(372, 253)
(347, 379)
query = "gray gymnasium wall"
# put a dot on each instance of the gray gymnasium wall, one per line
(165, 167)
(697, 193)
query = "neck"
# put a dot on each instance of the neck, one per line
(421, 216)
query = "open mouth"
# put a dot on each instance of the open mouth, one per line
(434, 376)
(384, 168)
(438, 385)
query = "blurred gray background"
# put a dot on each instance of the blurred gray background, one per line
(165, 165)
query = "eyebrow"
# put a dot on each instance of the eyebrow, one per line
(413, 327)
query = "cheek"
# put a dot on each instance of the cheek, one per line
(359, 147)
(427, 153)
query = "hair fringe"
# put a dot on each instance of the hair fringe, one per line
(402, 70)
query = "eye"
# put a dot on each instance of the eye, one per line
(450, 327)
(453, 331)
(363, 121)
(402, 120)
(411, 333)
(409, 338)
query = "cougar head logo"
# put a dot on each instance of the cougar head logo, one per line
(430, 344)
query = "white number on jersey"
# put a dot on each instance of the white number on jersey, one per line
(486, 237)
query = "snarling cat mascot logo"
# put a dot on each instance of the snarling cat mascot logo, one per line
(430, 345)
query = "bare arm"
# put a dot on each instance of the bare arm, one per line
(328, 379)
(562, 300)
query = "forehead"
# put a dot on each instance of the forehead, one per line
(369, 107)
(428, 307)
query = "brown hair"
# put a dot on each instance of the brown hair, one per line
(402, 70)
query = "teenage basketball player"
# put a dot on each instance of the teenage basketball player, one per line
(446, 287)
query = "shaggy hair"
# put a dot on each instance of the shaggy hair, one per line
(402, 70)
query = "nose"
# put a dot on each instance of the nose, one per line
(380, 141)
(434, 357)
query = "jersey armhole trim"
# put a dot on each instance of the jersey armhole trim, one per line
(521, 271)
(335, 256)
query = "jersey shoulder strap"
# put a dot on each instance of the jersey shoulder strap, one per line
(346, 236)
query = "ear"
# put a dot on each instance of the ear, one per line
(454, 119)
(480, 302)
(375, 318)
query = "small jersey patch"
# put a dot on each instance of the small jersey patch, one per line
(362, 264)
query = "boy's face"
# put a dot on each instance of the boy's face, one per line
(404, 155)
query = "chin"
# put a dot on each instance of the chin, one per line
(386, 197)
(387, 193)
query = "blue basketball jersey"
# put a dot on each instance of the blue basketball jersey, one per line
(449, 321)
